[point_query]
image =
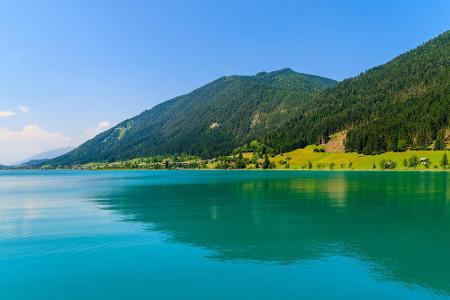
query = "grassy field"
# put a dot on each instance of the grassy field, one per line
(300, 158)
(303, 159)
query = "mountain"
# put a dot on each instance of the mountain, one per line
(403, 103)
(210, 121)
(36, 159)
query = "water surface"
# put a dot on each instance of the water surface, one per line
(224, 235)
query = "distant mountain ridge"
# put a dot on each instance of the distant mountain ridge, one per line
(210, 121)
(45, 155)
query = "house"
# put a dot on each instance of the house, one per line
(260, 163)
(424, 161)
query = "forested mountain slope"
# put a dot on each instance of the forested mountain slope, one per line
(403, 103)
(210, 121)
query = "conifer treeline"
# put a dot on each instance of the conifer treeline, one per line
(404, 103)
(208, 122)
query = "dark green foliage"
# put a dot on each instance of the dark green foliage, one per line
(147, 163)
(405, 162)
(439, 144)
(390, 164)
(402, 144)
(403, 103)
(233, 162)
(266, 163)
(387, 164)
(208, 122)
(413, 161)
(444, 161)
(240, 163)
(223, 165)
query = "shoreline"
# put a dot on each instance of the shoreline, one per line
(237, 170)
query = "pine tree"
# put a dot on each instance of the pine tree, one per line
(241, 157)
(401, 146)
(439, 144)
(413, 161)
(444, 161)
(266, 163)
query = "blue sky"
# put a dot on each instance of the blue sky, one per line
(77, 67)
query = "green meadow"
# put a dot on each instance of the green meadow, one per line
(307, 158)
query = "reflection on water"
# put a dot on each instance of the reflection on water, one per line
(397, 223)
(264, 235)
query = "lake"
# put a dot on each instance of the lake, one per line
(224, 235)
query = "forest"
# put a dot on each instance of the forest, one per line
(401, 105)
(208, 122)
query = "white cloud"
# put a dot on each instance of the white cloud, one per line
(6, 113)
(24, 109)
(18, 145)
(91, 132)
(32, 139)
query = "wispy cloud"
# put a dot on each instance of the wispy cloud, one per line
(24, 109)
(102, 126)
(6, 113)
(32, 139)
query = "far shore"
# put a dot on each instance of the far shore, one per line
(310, 158)
(231, 170)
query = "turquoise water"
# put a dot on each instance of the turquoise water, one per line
(224, 235)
